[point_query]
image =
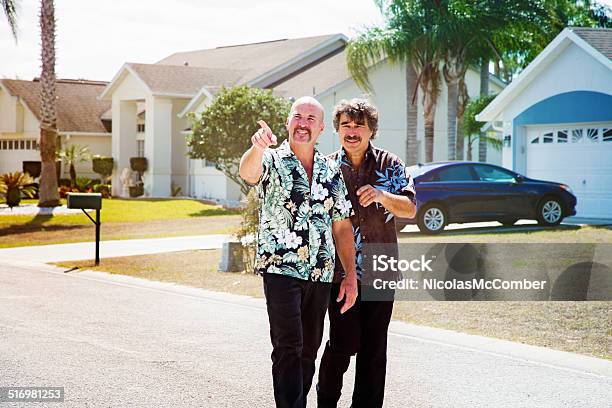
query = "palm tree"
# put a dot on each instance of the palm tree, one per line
(406, 37)
(75, 154)
(48, 194)
(466, 29)
(10, 11)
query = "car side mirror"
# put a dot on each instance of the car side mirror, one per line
(519, 179)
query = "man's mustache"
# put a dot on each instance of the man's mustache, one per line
(302, 128)
(352, 138)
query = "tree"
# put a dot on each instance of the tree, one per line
(48, 192)
(406, 37)
(222, 132)
(74, 154)
(471, 127)
(10, 11)
(466, 31)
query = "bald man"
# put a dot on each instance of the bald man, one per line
(304, 208)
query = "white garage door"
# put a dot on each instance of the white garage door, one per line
(579, 156)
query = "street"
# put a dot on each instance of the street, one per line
(114, 342)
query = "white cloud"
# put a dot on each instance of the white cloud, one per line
(95, 38)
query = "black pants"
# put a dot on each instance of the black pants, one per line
(362, 330)
(296, 310)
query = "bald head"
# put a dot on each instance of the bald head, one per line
(307, 100)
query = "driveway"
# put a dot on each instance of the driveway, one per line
(120, 341)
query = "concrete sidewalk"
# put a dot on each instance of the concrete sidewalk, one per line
(41, 254)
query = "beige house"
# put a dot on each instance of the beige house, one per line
(188, 81)
(80, 121)
(147, 105)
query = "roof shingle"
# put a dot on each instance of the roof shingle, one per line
(598, 38)
(78, 107)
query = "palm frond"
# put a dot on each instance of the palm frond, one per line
(10, 11)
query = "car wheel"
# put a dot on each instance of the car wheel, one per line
(508, 222)
(550, 212)
(431, 219)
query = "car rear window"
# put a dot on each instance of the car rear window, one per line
(493, 174)
(454, 173)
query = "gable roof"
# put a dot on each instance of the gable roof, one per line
(597, 42)
(254, 59)
(78, 108)
(598, 38)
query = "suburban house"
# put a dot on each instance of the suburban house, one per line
(80, 121)
(143, 110)
(556, 118)
(157, 97)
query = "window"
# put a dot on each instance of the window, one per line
(140, 128)
(140, 147)
(493, 174)
(606, 135)
(577, 135)
(562, 136)
(535, 140)
(593, 135)
(4, 145)
(547, 137)
(454, 173)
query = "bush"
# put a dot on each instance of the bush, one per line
(103, 166)
(137, 190)
(104, 189)
(247, 233)
(139, 164)
(15, 185)
(33, 168)
(84, 184)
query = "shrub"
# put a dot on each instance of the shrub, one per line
(103, 166)
(137, 190)
(139, 164)
(247, 233)
(33, 168)
(83, 184)
(17, 184)
(104, 189)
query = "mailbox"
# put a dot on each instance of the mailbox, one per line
(85, 201)
(88, 201)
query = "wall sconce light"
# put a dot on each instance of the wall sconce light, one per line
(507, 140)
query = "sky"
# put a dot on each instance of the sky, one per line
(95, 38)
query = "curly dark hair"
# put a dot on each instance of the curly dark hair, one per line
(358, 110)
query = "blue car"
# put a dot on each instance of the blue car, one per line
(458, 192)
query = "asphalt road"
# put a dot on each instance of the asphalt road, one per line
(119, 344)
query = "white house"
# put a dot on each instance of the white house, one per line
(187, 82)
(557, 118)
(80, 121)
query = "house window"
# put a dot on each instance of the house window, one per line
(3, 144)
(140, 128)
(562, 136)
(606, 135)
(547, 137)
(593, 135)
(535, 140)
(140, 146)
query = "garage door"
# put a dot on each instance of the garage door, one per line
(579, 156)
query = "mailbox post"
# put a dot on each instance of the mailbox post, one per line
(88, 201)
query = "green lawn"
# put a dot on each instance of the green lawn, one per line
(123, 210)
(121, 219)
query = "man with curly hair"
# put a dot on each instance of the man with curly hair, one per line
(379, 189)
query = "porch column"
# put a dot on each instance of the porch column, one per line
(123, 140)
(158, 147)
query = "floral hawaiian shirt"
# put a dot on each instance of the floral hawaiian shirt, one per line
(373, 224)
(295, 217)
